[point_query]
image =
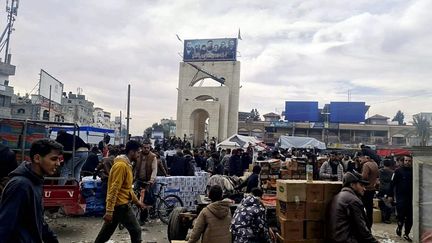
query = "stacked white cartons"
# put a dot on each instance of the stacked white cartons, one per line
(186, 187)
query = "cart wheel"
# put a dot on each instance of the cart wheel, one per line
(176, 230)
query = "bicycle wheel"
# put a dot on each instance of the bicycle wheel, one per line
(166, 206)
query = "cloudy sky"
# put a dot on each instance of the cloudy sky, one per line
(291, 50)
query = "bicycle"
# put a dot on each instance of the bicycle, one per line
(162, 206)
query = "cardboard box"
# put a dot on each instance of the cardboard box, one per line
(314, 192)
(315, 210)
(376, 203)
(377, 216)
(291, 230)
(314, 229)
(286, 174)
(331, 188)
(291, 211)
(292, 165)
(291, 190)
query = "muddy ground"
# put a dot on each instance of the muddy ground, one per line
(85, 230)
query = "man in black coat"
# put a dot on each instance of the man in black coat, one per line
(252, 181)
(367, 151)
(182, 164)
(8, 163)
(72, 166)
(235, 164)
(21, 209)
(402, 185)
(347, 215)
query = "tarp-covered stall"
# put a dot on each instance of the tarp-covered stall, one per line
(91, 135)
(240, 141)
(286, 142)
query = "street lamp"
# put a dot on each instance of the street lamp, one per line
(326, 126)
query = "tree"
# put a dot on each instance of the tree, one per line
(423, 129)
(399, 117)
(148, 132)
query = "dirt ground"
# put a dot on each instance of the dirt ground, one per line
(85, 230)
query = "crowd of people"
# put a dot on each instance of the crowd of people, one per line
(364, 176)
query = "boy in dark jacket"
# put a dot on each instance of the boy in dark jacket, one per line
(21, 210)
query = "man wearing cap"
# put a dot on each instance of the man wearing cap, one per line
(347, 216)
(370, 173)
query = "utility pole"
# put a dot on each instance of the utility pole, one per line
(120, 129)
(49, 105)
(128, 114)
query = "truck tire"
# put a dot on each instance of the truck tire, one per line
(176, 230)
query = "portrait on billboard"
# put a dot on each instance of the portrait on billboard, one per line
(210, 50)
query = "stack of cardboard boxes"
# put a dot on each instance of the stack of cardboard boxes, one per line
(295, 169)
(269, 173)
(301, 208)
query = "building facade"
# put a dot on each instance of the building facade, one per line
(6, 91)
(76, 108)
(334, 134)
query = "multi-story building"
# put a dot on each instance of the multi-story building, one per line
(35, 107)
(6, 91)
(334, 134)
(77, 109)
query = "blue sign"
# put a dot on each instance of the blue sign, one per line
(347, 112)
(301, 111)
(210, 50)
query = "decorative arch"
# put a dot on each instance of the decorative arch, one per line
(199, 120)
(205, 82)
(206, 98)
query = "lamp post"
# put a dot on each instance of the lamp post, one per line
(326, 126)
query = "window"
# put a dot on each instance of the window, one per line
(21, 111)
(45, 115)
(2, 100)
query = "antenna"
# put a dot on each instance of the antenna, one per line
(12, 11)
(79, 91)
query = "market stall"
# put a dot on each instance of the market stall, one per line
(241, 142)
(287, 142)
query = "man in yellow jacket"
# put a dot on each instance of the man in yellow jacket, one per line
(119, 195)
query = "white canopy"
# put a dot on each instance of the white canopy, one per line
(239, 141)
(286, 142)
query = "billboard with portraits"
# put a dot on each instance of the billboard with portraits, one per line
(210, 50)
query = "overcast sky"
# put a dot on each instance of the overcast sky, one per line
(291, 50)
